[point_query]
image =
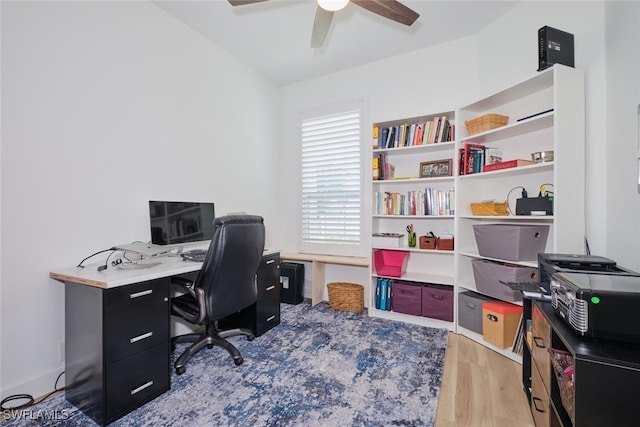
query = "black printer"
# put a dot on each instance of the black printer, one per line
(595, 296)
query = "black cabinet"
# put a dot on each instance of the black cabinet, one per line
(265, 313)
(116, 347)
(605, 381)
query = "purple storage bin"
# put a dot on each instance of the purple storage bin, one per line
(406, 298)
(437, 302)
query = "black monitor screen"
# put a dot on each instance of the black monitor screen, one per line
(180, 222)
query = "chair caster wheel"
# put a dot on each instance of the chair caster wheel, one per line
(250, 337)
(210, 346)
(181, 370)
(173, 347)
(238, 361)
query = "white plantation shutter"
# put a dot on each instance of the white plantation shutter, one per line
(331, 193)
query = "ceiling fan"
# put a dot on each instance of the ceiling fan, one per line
(390, 9)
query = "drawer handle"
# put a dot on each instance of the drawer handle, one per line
(270, 288)
(271, 318)
(141, 294)
(535, 401)
(492, 318)
(140, 337)
(142, 387)
(536, 339)
(271, 261)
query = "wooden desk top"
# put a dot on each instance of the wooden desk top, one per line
(149, 269)
(341, 260)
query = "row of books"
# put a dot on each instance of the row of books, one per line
(382, 169)
(383, 294)
(476, 158)
(430, 201)
(440, 129)
(471, 158)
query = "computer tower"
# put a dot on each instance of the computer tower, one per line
(292, 282)
(554, 47)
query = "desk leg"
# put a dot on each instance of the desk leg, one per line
(317, 282)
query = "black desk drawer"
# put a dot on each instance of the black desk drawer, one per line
(136, 323)
(136, 380)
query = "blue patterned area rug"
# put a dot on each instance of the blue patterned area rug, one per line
(319, 367)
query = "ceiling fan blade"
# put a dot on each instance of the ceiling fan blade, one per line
(242, 2)
(390, 9)
(321, 27)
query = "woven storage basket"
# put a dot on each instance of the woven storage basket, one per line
(493, 209)
(485, 123)
(346, 296)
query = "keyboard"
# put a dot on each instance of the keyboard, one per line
(196, 255)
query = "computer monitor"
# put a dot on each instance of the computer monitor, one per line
(180, 222)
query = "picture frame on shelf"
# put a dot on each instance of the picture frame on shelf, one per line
(435, 168)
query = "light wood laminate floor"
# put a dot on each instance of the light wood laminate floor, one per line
(480, 388)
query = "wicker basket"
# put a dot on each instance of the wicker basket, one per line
(561, 360)
(346, 296)
(492, 209)
(485, 123)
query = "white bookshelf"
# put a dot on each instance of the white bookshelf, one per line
(560, 89)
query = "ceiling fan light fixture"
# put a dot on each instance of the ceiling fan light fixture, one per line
(332, 5)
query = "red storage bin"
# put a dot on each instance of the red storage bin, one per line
(390, 263)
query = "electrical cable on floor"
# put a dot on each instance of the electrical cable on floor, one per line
(31, 400)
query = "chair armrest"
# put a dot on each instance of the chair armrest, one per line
(185, 284)
(197, 294)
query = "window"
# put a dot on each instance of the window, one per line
(331, 181)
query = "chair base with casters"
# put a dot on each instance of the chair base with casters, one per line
(212, 336)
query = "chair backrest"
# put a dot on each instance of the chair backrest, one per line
(228, 272)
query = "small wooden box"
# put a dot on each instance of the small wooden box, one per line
(427, 242)
(500, 321)
(445, 244)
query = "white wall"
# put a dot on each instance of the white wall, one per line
(622, 201)
(107, 105)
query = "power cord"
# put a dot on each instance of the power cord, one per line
(92, 255)
(524, 196)
(29, 398)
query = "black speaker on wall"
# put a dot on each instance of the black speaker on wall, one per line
(554, 47)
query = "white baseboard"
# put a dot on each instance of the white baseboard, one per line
(36, 386)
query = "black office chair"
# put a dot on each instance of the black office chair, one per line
(226, 284)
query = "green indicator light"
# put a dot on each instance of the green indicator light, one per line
(595, 300)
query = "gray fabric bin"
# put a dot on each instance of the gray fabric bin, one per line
(470, 310)
(488, 275)
(512, 242)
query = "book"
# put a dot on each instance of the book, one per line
(376, 167)
(376, 133)
(472, 158)
(444, 123)
(383, 294)
(506, 165)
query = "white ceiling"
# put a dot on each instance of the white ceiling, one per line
(274, 37)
